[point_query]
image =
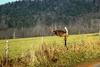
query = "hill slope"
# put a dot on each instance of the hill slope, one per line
(39, 14)
(27, 13)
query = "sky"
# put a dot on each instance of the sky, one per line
(5, 1)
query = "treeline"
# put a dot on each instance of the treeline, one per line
(25, 18)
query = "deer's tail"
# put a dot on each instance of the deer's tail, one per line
(66, 30)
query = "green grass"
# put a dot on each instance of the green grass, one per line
(18, 46)
(50, 51)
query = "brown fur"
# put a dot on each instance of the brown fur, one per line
(60, 33)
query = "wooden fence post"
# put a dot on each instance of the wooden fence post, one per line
(6, 51)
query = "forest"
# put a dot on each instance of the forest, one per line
(27, 18)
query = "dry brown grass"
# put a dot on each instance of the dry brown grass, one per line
(26, 60)
(60, 56)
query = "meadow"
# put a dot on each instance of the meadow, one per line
(50, 50)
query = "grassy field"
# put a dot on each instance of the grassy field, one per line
(18, 46)
(88, 42)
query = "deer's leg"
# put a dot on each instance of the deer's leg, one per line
(65, 39)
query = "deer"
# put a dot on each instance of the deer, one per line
(62, 33)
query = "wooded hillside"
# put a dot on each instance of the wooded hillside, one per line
(25, 18)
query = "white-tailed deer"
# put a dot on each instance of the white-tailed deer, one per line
(62, 33)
